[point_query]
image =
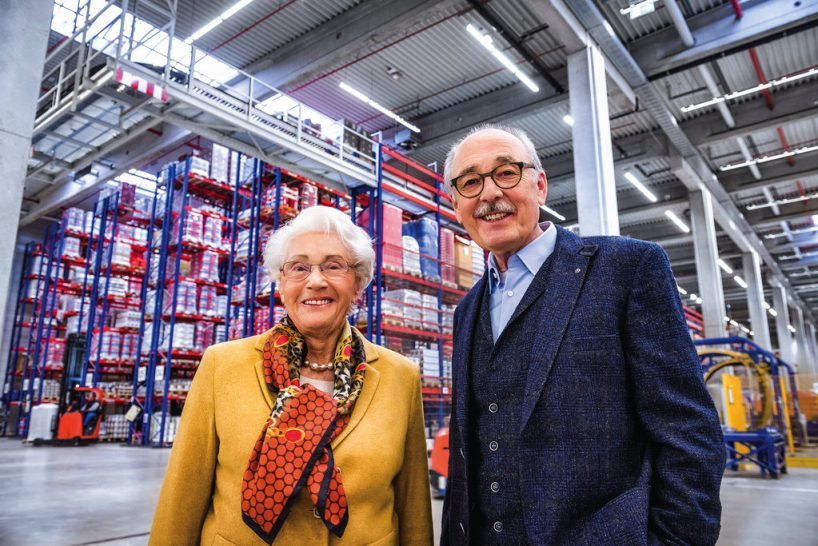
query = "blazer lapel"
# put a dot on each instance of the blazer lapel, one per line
(468, 313)
(558, 293)
(371, 380)
(259, 367)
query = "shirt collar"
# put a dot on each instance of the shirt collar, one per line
(532, 255)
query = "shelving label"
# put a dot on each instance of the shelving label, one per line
(159, 375)
(142, 374)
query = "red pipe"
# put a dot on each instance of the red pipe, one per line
(247, 29)
(782, 137)
(768, 97)
(736, 8)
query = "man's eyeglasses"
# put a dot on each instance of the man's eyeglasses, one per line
(505, 176)
(331, 269)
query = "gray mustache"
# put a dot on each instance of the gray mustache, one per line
(492, 207)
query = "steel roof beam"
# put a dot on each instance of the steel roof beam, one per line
(795, 104)
(718, 33)
(342, 39)
(772, 174)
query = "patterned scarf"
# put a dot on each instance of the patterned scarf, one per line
(293, 450)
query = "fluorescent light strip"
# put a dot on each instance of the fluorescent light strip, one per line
(767, 158)
(740, 281)
(681, 290)
(227, 14)
(568, 119)
(553, 213)
(727, 269)
(382, 109)
(755, 89)
(790, 328)
(678, 221)
(639, 186)
(773, 312)
(488, 43)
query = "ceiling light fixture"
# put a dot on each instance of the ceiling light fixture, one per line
(681, 290)
(553, 213)
(740, 281)
(773, 312)
(678, 221)
(227, 14)
(790, 328)
(727, 269)
(568, 119)
(767, 158)
(383, 110)
(641, 187)
(488, 43)
(639, 9)
(755, 89)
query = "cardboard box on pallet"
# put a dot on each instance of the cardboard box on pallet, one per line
(463, 262)
(392, 235)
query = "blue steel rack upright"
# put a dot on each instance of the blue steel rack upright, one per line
(166, 315)
(10, 392)
(411, 196)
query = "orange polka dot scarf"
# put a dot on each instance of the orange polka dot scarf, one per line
(293, 450)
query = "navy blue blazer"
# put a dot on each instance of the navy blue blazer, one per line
(620, 442)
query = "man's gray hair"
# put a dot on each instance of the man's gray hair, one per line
(518, 133)
(327, 220)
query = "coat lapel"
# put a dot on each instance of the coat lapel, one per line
(259, 368)
(558, 291)
(468, 323)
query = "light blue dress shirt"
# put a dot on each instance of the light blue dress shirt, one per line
(506, 289)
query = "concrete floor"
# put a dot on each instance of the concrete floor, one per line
(105, 494)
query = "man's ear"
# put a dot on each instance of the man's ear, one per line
(542, 187)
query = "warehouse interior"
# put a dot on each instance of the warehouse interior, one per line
(170, 137)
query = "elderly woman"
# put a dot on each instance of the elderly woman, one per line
(306, 434)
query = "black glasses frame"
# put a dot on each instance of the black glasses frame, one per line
(519, 164)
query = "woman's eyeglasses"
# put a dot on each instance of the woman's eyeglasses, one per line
(332, 269)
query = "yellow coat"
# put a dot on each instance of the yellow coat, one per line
(381, 453)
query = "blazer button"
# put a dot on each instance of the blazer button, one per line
(498, 526)
(495, 487)
(493, 407)
(494, 446)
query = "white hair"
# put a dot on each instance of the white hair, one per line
(327, 220)
(519, 134)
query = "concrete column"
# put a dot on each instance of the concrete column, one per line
(593, 157)
(755, 300)
(813, 349)
(801, 347)
(24, 29)
(782, 321)
(707, 267)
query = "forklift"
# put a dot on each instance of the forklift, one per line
(76, 402)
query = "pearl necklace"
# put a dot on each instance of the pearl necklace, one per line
(318, 367)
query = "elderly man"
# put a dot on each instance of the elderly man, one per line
(580, 415)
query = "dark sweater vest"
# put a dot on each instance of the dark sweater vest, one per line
(496, 386)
